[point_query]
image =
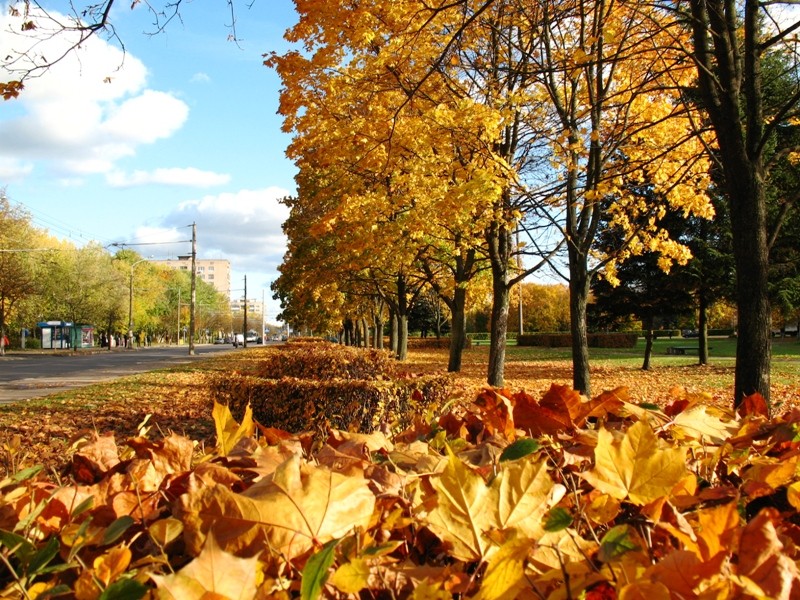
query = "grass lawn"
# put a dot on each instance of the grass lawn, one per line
(178, 399)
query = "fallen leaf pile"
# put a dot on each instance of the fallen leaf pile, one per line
(503, 494)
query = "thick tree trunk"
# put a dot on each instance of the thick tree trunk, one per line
(578, 299)
(458, 331)
(728, 48)
(754, 343)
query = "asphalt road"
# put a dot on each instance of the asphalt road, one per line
(26, 375)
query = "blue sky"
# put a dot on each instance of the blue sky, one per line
(131, 148)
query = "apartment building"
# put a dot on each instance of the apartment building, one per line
(215, 272)
(254, 307)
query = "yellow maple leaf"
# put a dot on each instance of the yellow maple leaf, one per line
(505, 575)
(229, 432)
(300, 505)
(468, 510)
(213, 574)
(635, 467)
(351, 577)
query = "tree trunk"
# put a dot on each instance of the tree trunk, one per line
(499, 242)
(578, 299)
(702, 329)
(393, 330)
(402, 318)
(729, 74)
(648, 342)
(458, 331)
(378, 332)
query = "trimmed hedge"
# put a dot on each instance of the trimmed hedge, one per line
(325, 361)
(353, 405)
(564, 340)
(433, 342)
(313, 386)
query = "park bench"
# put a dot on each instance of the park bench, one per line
(684, 349)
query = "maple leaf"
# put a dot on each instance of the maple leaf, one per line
(300, 505)
(468, 510)
(635, 467)
(698, 423)
(213, 574)
(762, 558)
(229, 432)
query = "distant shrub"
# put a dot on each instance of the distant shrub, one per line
(432, 342)
(564, 340)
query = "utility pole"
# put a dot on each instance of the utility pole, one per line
(193, 300)
(245, 312)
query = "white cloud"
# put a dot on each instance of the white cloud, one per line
(200, 78)
(189, 177)
(87, 111)
(243, 227)
(12, 170)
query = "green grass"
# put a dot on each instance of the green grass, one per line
(785, 355)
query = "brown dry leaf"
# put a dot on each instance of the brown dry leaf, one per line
(552, 414)
(467, 510)
(213, 574)
(609, 402)
(765, 475)
(95, 458)
(762, 559)
(754, 405)
(496, 412)
(635, 467)
(299, 506)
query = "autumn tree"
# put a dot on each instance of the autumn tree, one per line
(545, 307)
(730, 42)
(608, 84)
(21, 254)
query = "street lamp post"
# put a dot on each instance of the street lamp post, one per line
(130, 295)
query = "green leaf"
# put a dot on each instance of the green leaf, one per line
(26, 474)
(124, 589)
(116, 529)
(43, 556)
(557, 519)
(315, 573)
(519, 449)
(616, 542)
(83, 506)
(18, 545)
(59, 590)
(649, 406)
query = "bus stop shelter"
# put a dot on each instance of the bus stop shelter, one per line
(63, 334)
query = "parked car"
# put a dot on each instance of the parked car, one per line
(219, 340)
(238, 340)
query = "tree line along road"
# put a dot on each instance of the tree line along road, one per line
(28, 375)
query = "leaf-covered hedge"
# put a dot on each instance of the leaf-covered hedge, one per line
(349, 404)
(311, 386)
(324, 360)
(564, 340)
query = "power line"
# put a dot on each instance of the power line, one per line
(58, 226)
